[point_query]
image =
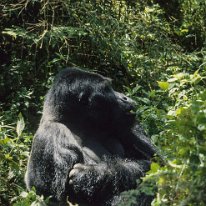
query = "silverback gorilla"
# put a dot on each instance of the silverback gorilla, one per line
(88, 148)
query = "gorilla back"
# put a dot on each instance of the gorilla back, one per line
(88, 148)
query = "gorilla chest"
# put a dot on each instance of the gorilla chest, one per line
(94, 150)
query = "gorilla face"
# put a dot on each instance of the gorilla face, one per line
(124, 111)
(88, 99)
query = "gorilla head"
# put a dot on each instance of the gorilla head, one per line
(88, 100)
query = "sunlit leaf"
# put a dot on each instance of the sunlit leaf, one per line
(163, 85)
(20, 125)
(154, 167)
(10, 33)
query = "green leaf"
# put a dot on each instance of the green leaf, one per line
(10, 33)
(163, 85)
(5, 141)
(179, 110)
(154, 167)
(20, 124)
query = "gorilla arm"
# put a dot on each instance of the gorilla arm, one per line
(138, 145)
(105, 179)
(54, 153)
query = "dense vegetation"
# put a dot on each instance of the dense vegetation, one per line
(154, 50)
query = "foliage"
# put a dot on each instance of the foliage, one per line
(184, 173)
(154, 50)
(14, 151)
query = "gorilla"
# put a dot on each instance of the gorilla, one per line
(88, 147)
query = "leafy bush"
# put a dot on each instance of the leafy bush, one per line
(154, 50)
(14, 151)
(182, 180)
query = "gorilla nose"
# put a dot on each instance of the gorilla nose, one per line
(126, 100)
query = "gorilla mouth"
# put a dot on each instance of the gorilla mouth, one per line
(131, 112)
(130, 109)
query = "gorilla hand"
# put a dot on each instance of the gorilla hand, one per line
(86, 181)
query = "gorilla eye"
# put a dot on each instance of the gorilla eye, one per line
(108, 89)
(97, 98)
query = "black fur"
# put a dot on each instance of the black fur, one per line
(86, 148)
